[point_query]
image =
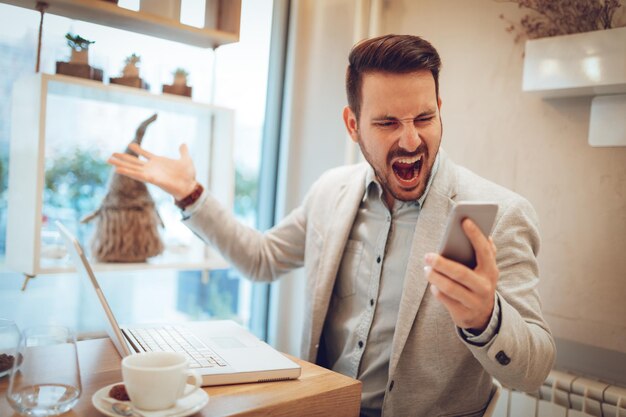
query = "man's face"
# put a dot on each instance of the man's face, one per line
(399, 130)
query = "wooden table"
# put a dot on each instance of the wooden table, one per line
(318, 391)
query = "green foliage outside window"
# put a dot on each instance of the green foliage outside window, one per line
(76, 180)
(246, 192)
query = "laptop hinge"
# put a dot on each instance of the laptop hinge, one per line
(132, 342)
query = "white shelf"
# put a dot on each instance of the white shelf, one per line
(77, 87)
(211, 263)
(583, 64)
(36, 99)
(109, 14)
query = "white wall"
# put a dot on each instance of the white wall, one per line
(539, 149)
(535, 147)
(314, 135)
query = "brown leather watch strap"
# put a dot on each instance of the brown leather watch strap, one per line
(191, 198)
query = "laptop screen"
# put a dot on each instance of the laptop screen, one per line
(84, 269)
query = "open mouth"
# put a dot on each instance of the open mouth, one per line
(408, 169)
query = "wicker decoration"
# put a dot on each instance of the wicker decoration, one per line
(127, 219)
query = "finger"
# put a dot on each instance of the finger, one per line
(184, 151)
(455, 308)
(452, 289)
(116, 162)
(141, 151)
(131, 173)
(494, 249)
(121, 163)
(129, 158)
(454, 270)
(481, 245)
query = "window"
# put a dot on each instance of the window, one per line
(78, 142)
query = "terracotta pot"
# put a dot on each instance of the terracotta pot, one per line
(180, 80)
(131, 71)
(80, 57)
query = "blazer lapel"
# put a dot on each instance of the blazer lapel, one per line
(335, 239)
(428, 233)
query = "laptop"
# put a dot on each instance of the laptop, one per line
(221, 351)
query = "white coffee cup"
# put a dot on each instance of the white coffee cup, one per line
(156, 380)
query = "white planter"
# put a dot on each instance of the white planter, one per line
(582, 64)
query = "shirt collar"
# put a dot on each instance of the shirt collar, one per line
(374, 189)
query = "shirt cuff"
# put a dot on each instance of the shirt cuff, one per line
(192, 208)
(491, 330)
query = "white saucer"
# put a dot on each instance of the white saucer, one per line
(184, 407)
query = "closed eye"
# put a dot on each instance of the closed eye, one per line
(385, 123)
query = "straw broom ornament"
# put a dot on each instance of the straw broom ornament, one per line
(127, 218)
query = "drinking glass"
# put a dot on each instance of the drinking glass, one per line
(9, 338)
(47, 381)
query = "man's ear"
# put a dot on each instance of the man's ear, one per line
(352, 125)
(439, 103)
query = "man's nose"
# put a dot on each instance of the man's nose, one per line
(410, 138)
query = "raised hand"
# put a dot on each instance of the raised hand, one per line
(175, 176)
(467, 294)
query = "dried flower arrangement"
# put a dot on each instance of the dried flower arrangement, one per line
(562, 17)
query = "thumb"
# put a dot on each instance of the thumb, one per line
(184, 151)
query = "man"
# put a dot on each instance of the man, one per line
(424, 334)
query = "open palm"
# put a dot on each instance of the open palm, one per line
(175, 176)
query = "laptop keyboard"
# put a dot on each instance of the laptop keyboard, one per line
(177, 339)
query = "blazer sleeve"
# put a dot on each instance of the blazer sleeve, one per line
(258, 256)
(522, 352)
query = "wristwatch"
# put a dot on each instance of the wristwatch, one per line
(191, 198)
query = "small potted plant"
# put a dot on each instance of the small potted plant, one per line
(180, 76)
(79, 60)
(131, 70)
(179, 86)
(130, 73)
(80, 48)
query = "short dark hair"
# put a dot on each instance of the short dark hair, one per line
(399, 54)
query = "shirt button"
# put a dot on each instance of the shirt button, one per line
(378, 259)
(360, 343)
(390, 386)
(371, 301)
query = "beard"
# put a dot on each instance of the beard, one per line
(385, 174)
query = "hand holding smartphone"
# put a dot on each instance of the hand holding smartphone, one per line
(455, 244)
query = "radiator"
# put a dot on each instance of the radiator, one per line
(564, 395)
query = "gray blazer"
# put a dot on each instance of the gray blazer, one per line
(433, 370)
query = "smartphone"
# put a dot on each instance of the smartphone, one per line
(455, 245)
